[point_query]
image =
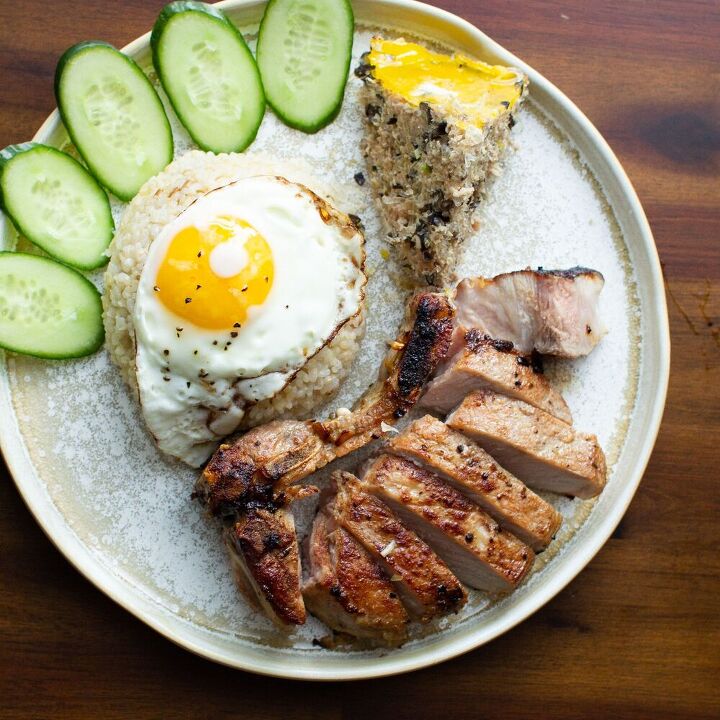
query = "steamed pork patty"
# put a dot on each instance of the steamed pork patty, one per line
(237, 294)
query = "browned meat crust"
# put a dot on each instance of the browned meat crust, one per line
(348, 590)
(473, 545)
(409, 365)
(245, 473)
(425, 584)
(264, 549)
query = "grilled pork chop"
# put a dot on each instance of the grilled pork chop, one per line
(423, 581)
(472, 544)
(490, 364)
(551, 311)
(261, 464)
(546, 452)
(264, 552)
(249, 481)
(470, 470)
(347, 589)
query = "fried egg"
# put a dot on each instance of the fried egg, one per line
(236, 295)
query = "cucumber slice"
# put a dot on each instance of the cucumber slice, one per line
(55, 202)
(113, 115)
(303, 54)
(47, 309)
(209, 74)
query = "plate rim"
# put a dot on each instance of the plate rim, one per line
(145, 609)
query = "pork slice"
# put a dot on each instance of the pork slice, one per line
(423, 581)
(265, 555)
(476, 549)
(546, 453)
(263, 461)
(490, 364)
(552, 311)
(348, 590)
(470, 470)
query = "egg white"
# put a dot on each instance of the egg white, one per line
(194, 392)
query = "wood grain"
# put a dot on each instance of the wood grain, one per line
(637, 634)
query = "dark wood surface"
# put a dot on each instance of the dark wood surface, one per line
(637, 634)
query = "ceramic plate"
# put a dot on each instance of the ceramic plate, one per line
(76, 446)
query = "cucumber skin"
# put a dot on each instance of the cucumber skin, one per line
(62, 62)
(6, 155)
(99, 338)
(320, 124)
(181, 6)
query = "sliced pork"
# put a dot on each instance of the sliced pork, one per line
(347, 589)
(265, 555)
(470, 470)
(424, 582)
(476, 549)
(484, 363)
(554, 312)
(545, 452)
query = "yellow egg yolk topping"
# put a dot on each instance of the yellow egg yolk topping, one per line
(470, 91)
(210, 276)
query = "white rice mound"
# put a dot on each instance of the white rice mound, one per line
(158, 202)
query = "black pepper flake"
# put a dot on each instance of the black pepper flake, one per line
(522, 360)
(588, 329)
(179, 329)
(287, 306)
(166, 379)
(237, 325)
(156, 288)
(505, 103)
(195, 352)
(214, 342)
(461, 449)
(335, 591)
(469, 538)
(200, 254)
(197, 287)
(233, 334)
(392, 121)
(166, 352)
(518, 383)
(188, 384)
(188, 300)
(202, 373)
(267, 279)
(244, 289)
(359, 178)
(392, 595)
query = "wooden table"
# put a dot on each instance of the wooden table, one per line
(637, 634)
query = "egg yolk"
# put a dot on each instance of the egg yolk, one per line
(473, 91)
(210, 276)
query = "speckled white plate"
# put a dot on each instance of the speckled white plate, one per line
(121, 513)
